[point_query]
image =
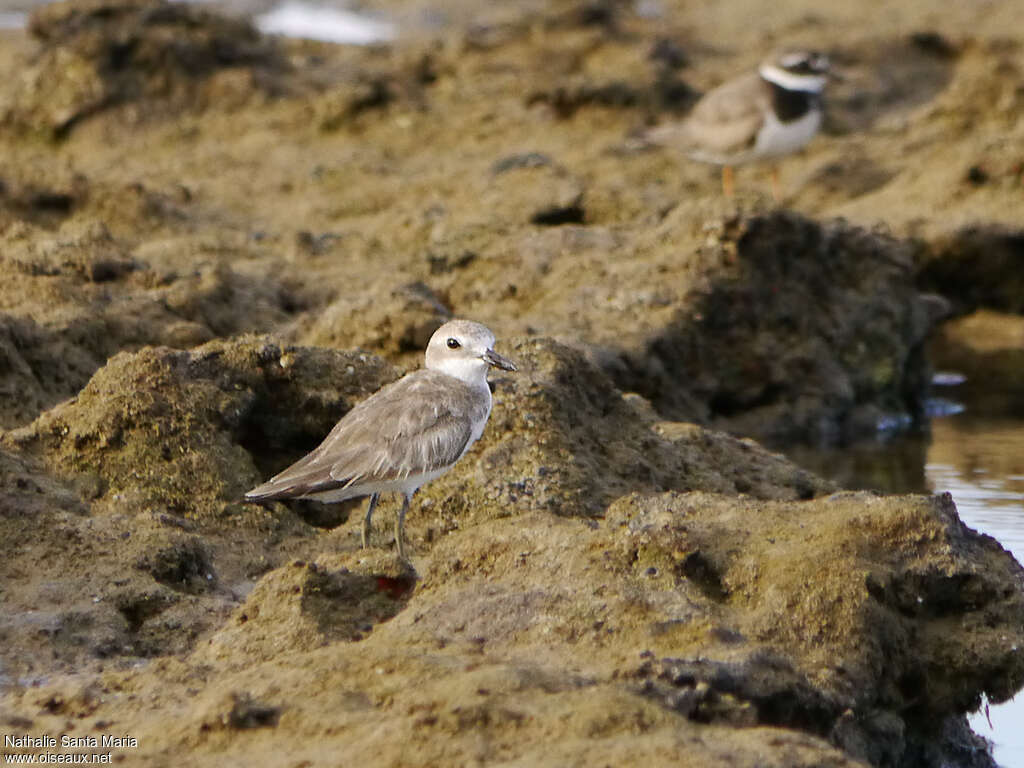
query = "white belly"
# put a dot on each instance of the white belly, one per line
(778, 138)
(405, 485)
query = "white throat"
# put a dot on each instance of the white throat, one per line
(471, 370)
(791, 82)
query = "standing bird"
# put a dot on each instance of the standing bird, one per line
(406, 434)
(763, 114)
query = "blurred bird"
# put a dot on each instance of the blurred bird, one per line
(764, 114)
(407, 434)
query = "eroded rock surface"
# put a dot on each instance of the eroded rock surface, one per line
(838, 332)
(703, 593)
(162, 444)
(604, 578)
(98, 54)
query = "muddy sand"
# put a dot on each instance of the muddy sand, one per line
(214, 243)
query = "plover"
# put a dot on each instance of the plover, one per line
(406, 434)
(771, 112)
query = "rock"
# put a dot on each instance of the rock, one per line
(157, 443)
(164, 443)
(524, 189)
(977, 268)
(604, 578)
(771, 325)
(566, 100)
(185, 565)
(547, 635)
(246, 713)
(578, 518)
(883, 78)
(39, 200)
(38, 368)
(91, 255)
(396, 322)
(100, 54)
(79, 297)
(169, 437)
(815, 333)
(304, 606)
(547, 448)
(984, 334)
(343, 105)
(171, 429)
(68, 611)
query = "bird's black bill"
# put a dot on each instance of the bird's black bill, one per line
(493, 358)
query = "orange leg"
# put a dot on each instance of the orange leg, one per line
(728, 187)
(776, 186)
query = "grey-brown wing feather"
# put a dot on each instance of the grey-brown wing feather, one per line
(726, 120)
(415, 425)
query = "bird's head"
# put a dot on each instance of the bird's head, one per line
(797, 71)
(465, 350)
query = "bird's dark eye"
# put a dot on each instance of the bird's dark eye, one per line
(453, 344)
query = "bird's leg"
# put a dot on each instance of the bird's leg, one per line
(400, 526)
(776, 187)
(728, 188)
(366, 520)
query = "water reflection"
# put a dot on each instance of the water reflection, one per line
(977, 455)
(980, 461)
(892, 465)
(977, 459)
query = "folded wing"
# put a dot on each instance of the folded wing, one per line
(724, 122)
(419, 424)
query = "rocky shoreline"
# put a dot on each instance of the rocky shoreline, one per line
(215, 243)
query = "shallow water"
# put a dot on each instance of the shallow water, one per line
(980, 462)
(316, 22)
(12, 19)
(977, 456)
(332, 23)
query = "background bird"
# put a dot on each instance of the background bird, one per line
(764, 114)
(405, 435)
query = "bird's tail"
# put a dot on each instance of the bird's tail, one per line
(649, 139)
(266, 492)
(673, 135)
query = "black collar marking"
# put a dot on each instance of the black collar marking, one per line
(789, 105)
